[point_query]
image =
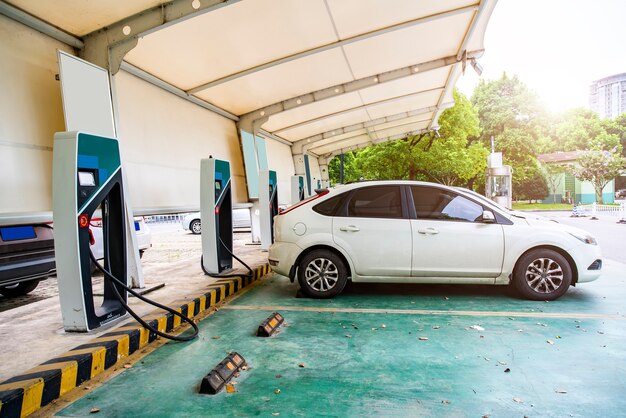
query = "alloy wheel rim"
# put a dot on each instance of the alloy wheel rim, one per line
(321, 274)
(196, 227)
(544, 275)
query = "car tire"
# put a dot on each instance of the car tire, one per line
(195, 227)
(322, 274)
(19, 289)
(542, 274)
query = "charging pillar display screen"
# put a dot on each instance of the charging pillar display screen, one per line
(268, 206)
(216, 215)
(88, 191)
(297, 189)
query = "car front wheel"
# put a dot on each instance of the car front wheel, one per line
(542, 274)
(195, 226)
(322, 274)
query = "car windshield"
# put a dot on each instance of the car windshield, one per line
(485, 200)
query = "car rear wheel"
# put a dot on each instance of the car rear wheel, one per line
(542, 274)
(322, 274)
(195, 226)
(19, 289)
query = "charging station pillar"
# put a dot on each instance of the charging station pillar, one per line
(297, 189)
(87, 176)
(216, 215)
(268, 206)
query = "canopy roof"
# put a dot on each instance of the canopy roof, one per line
(324, 75)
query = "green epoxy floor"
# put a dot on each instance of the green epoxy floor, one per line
(356, 367)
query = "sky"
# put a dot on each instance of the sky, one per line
(556, 47)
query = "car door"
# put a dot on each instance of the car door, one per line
(375, 231)
(449, 237)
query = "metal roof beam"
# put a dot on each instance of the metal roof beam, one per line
(314, 145)
(352, 109)
(39, 25)
(325, 159)
(265, 112)
(107, 46)
(333, 45)
(300, 144)
(363, 144)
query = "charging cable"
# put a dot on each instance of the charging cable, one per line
(249, 274)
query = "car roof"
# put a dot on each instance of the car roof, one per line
(367, 183)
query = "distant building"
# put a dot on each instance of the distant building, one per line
(607, 96)
(568, 189)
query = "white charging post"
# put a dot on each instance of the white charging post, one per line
(297, 189)
(216, 215)
(268, 206)
(87, 177)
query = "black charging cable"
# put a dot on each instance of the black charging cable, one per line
(249, 274)
(185, 318)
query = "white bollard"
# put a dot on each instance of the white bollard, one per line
(623, 212)
(593, 212)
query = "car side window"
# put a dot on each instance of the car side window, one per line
(376, 202)
(330, 207)
(435, 203)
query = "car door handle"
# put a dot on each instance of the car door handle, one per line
(349, 228)
(429, 231)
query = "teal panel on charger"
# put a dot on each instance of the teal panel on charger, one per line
(250, 162)
(105, 151)
(261, 150)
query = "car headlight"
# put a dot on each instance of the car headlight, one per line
(586, 238)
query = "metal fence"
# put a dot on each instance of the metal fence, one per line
(594, 210)
(168, 218)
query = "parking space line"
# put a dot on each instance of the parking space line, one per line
(574, 315)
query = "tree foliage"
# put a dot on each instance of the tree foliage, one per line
(447, 158)
(599, 167)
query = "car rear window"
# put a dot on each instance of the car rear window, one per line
(376, 202)
(330, 207)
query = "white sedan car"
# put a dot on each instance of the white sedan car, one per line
(142, 232)
(241, 220)
(416, 232)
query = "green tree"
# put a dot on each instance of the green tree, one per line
(512, 114)
(599, 167)
(447, 158)
(350, 171)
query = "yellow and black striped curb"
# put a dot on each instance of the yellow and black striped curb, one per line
(22, 395)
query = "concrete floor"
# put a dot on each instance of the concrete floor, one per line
(33, 332)
(382, 350)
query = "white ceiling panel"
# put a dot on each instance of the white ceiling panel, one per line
(334, 139)
(313, 111)
(353, 17)
(315, 72)
(401, 129)
(405, 104)
(413, 84)
(233, 38)
(80, 17)
(421, 43)
(341, 144)
(316, 127)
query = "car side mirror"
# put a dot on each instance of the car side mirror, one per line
(488, 217)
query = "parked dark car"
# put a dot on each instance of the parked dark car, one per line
(26, 258)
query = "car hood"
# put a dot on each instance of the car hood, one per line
(530, 215)
(546, 223)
